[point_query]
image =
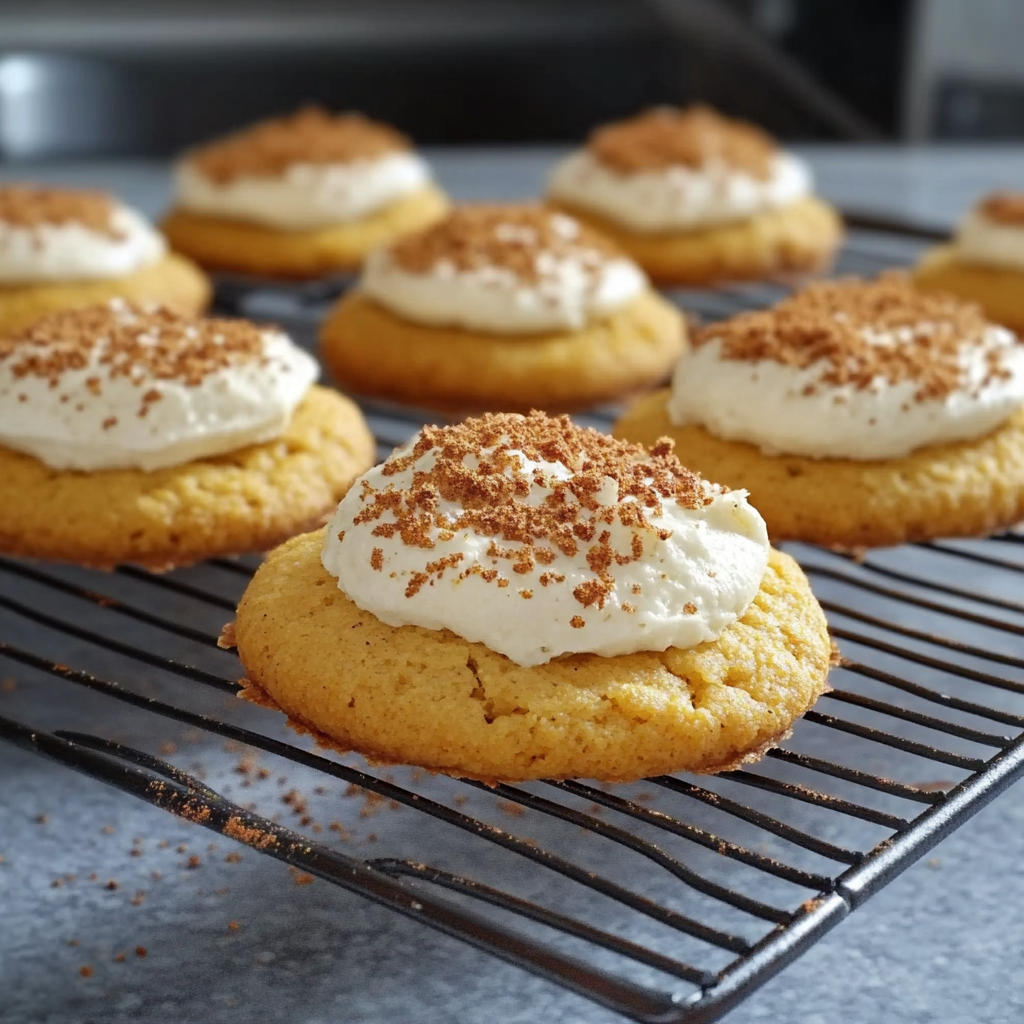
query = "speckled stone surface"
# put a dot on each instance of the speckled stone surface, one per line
(231, 936)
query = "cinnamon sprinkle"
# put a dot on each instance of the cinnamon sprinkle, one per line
(832, 324)
(309, 136)
(1003, 208)
(478, 467)
(139, 344)
(31, 206)
(667, 137)
(525, 240)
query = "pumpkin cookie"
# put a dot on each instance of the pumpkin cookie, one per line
(502, 307)
(696, 198)
(62, 248)
(135, 435)
(857, 414)
(300, 196)
(559, 608)
(985, 263)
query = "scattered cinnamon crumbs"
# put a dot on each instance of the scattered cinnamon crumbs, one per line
(343, 833)
(140, 951)
(237, 829)
(309, 136)
(139, 344)
(32, 206)
(478, 467)
(667, 137)
(85, 971)
(860, 331)
(1003, 208)
(525, 240)
(511, 808)
(374, 802)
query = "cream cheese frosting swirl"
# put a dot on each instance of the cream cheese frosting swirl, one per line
(679, 170)
(852, 370)
(993, 232)
(503, 270)
(301, 173)
(120, 386)
(57, 234)
(539, 538)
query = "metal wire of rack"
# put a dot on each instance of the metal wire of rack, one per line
(727, 880)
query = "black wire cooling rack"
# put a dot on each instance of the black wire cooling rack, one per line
(666, 911)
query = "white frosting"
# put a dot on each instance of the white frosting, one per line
(692, 585)
(981, 240)
(74, 252)
(570, 292)
(63, 426)
(787, 410)
(678, 198)
(305, 196)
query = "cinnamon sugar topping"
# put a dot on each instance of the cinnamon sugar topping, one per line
(667, 137)
(863, 331)
(1003, 208)
(525, 240)
(310, 136)
(479, 467)
(29, 206)
(132, 342)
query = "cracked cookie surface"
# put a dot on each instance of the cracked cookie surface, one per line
(375, 352)
(246, 500)
(172, 281)
(219, 243)
(430, 698)
(961, 489)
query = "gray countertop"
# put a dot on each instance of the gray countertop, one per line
(943, 944)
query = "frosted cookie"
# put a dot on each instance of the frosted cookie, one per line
(61, 248)
(502, 307)
(856, 413)
(131, 434)
(300, 196)
(985, 261)
(696, 198)
(517, 598)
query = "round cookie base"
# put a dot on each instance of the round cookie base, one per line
(966, 489)
(797, 239)
(246, 500)
(172, 281)
(406, 695)
(372, 351)
(247, 248)
(998, 290)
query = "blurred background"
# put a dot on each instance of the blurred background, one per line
(147, 77)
